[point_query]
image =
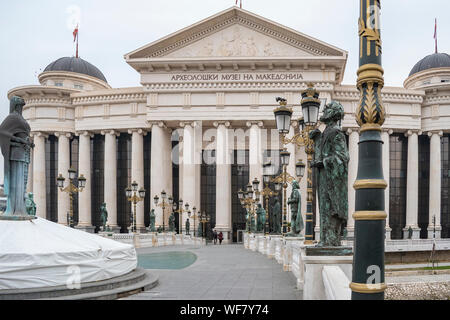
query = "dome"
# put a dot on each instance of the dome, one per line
(436, 60)
(78, 65)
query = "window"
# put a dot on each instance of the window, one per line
(424, 185)
(124, 210)
(97, 178)
(58, 84)
(78, 86)
(51, 169)
(445, 186)
(208, 188)
(397, 184)
(239, 179)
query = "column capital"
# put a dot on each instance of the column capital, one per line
(62, 134)
(84, 133)
(39, 134)
(411, 132)
(111, 132)
(227, 124)
(351, 130)
(253, 123)
(183, 124)
(439, 133)
(387, 130)
(139, 131)
(160, 124)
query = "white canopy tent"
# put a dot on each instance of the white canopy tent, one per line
(40, 253)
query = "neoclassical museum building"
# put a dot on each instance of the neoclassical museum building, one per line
(201, 125)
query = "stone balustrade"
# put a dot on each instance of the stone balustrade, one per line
(146, 240)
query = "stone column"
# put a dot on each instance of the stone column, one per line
(39, 177)
(188, 190)
(223, 181)
(386, 173)
(63, 167)
(435, 184)
(110, 175)
(84, 197)
(352, 174)
(161, 170)
(137, 172)
(412, 189)
(255, 152)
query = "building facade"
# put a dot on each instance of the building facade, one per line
(201, 125)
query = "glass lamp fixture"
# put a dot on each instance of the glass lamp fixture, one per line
(240, 194)
(128, 192)
(156, 200)
(174, 207)
(170, 200)
(267, 168)
(300, 169)
(82, 181)
(283, 115)
(72, 173)
(266, 179)
(310, 105)
(134, 186)
(180, 202)
(255, 185)
(278, 186)
(60, 180)
(194, 210)
(285, 156)
(164, 195)
(186, 206)
(142, 193)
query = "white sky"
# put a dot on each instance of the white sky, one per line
(35, 33)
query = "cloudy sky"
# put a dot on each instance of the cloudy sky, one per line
(35, 33)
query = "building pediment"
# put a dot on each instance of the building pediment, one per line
(235, 33)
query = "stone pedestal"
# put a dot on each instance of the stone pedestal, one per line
(279, 249)
(261, 240)
(245, 240)
(271, 245)
(252, 242)
(88, 229)
(287, 252)
(314, 260)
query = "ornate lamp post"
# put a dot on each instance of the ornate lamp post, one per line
(368, 282)
(132, 196)
(310, 109)
(248, 201)
(163, 204)
(180, 211)
(204, 219)
(267, 193)
(71, 189)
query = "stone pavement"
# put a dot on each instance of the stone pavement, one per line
(227, 272)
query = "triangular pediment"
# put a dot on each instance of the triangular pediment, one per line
(236, 33)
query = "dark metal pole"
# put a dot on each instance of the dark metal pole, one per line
(368, 281)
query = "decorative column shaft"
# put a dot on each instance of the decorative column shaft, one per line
(412, 188)
(386, 168)
(137, 171)
(84, 197)
(223, 180)
(63, 167)
(110, 175)
(255, 152)
(368, 281)
(189, 168)
(352, 173)
(39, 177)
(435, 185)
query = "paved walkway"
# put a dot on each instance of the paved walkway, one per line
(221, 273)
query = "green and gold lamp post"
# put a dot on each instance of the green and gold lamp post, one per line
(71, 189)
(133, 197)
(368, 279)
(267, 193)
(164, 204)
(180, 212)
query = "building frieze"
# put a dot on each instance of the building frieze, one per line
(113, 98)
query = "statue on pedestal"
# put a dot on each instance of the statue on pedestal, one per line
(188, 226)
(103, 216)
(15, 145)
(276, 217)
(332, 165)
(30, 205)
(252, 223)
(296, 211)
(200, 230)
(152, 220)
(172, 223)
(261, 218)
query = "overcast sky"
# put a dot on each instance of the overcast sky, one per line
(35, 33)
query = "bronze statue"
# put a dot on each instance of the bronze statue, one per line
(260, 218)
(172, 223)
(152, 221)
(30, 205)
(15, 144)
(103, 216)
(332, 165)
(188, 226)
(276, 217)
(295, 204)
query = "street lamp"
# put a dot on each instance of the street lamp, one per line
(267, 193)
(163, 204)
(134, 196)
(310, 108)
(71, 189)
(248, 201)
(180, 212)
(204, 219)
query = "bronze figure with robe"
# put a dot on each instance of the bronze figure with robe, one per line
(295, 203)
(15, 144)
(332, 167)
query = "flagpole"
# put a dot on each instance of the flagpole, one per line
(78, 35)
(435, 36)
